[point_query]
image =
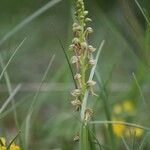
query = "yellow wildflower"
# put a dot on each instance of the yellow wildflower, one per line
(2, 147)
(137, 132)
(128, 106)
(118, 129)
(14, 147)
(2, 143)
(117, 109)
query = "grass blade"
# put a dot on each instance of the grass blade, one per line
(125, 143)
(144, 141)
(84, 129)
(8, 84)
(84, 102)
(13, 140)
(11, 58)
(84, 145)
(66, 56)
(122, 123)
(28, 118)
(139, 88)
(10, 98)
(143, 13)
(7, 79)
(104, 96)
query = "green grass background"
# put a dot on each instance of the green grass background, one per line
(126, 51)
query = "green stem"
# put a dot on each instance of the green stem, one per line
(84, 145)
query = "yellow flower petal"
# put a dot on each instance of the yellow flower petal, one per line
(118, 129)
(2, 148)
(2, 141)
(134, 131)
(14, 147)
(128, 106)
(117, 109)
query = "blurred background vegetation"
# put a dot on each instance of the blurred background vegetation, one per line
(126, 51)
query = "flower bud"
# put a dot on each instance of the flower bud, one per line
(88, 20)
(75, 41)
(81, 17)
(85, 13)
(75, 25)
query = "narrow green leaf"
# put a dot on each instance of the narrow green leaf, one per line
(125, 143)
(10, 98)
(13, 140)
(122, 123)
(143, 13)
(84, 138)
(144, 141)
(104, 97)
(11, 58)
(28, 118)
(84, 101)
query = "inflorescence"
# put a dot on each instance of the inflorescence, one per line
(82, 58)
